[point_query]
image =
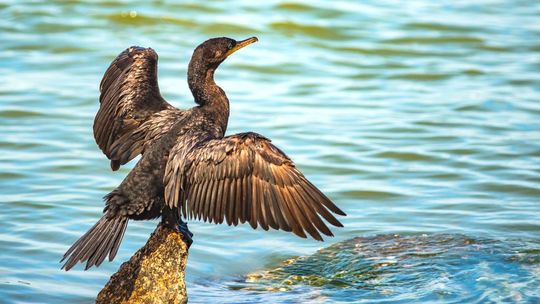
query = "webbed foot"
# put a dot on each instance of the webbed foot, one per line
(186, 234)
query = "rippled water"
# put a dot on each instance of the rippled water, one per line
(391, 268)
(416, 118)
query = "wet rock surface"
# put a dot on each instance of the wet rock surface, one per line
(154, 274)
(442, 268)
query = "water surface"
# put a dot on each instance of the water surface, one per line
(415, 118)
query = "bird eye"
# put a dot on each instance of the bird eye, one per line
(230, 45)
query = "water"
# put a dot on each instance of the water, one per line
(391, 268)
(415, 118)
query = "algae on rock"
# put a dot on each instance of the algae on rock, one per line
(154, 274)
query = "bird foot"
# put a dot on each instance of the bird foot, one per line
(186, 234)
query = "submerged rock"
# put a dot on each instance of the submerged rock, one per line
(155, 274)
(422, 268)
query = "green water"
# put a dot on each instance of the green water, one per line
(414, 117)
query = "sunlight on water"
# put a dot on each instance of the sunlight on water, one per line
(417, 118)
(423, 268)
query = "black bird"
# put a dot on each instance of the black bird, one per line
(189, 168)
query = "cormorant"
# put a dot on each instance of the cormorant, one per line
(189, 168)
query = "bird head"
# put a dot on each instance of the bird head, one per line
(211, 53)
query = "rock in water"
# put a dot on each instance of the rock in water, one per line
(155, 274)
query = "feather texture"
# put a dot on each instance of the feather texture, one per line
(132, 113)
(245, 178)
(101, 240)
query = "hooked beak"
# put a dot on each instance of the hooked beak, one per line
(241, 44)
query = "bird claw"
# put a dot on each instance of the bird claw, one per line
(186, 234)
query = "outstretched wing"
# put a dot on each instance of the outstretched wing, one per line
(132, 111)
(245, 178)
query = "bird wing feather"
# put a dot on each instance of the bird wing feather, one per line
(132, 112)
(245, 178)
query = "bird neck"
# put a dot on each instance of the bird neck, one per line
(209, 95)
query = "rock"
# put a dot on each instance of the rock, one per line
(155, 274)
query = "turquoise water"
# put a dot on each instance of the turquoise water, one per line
(415, 118)
(426, 268)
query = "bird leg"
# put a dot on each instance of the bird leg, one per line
(173, 219)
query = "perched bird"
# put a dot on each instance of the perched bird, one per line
(189, 168)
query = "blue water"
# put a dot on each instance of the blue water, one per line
(416, 118)
(426, 268)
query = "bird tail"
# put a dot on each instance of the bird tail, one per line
(101, 240)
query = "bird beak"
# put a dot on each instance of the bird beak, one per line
(241, 44)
